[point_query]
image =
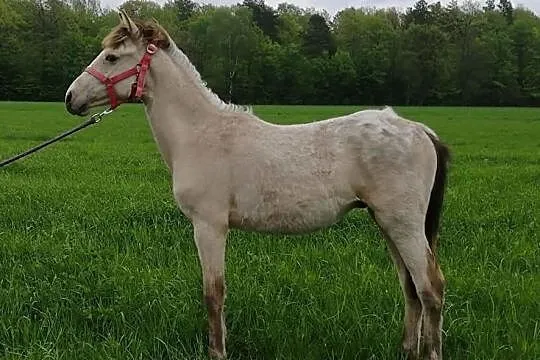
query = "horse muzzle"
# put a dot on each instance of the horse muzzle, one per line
(73, 107)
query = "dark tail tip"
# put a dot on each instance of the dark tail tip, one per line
(433, 216)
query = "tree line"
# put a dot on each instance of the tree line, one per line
(251, 53)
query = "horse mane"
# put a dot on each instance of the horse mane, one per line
(181, 60)
(151, 31)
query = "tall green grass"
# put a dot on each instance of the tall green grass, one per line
(96, 262)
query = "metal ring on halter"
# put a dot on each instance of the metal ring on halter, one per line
(151, 49)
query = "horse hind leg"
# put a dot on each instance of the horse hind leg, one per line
(408, 244)
(410, 340)
(433, 301)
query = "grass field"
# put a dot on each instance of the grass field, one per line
(96, 261)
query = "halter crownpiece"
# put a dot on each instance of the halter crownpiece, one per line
(138, 70)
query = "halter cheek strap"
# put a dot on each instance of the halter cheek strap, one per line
(138, 70)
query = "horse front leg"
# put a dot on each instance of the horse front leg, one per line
(210, 239)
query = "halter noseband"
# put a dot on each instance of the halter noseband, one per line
(138, 70)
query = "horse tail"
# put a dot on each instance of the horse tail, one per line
(433, 215)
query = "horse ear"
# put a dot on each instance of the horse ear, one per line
(128, 23)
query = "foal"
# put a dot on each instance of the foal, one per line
(231, 169)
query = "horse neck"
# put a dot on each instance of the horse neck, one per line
(177, 107)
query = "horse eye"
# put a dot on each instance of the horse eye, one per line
(111, 58)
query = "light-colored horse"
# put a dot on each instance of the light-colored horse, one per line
(231, 169)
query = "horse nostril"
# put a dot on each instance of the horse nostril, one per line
(69, 95)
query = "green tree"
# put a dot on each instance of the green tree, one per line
(253, 53)
(422, 63)
(11, 49)
(525, 32)
(371, 42)
(318, 39)
(292, 24)
(419, 14)
(184, 9)
(490, 5)
(264, 16)
(507, 10)
(141, 9)
(231, 42)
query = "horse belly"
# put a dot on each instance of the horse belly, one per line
(281, 215)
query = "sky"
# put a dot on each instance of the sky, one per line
(332, 6)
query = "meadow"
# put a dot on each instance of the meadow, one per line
(96, 262)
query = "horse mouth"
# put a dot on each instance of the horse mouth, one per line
(80, 111)
(83, 110)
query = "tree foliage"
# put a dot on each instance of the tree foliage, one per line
(430, 54)
(318, 39)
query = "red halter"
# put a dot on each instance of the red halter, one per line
(138, 70)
